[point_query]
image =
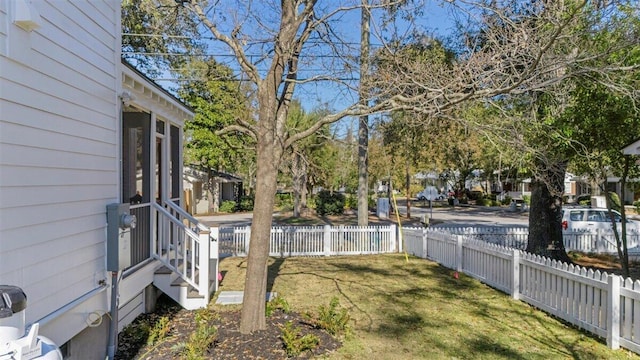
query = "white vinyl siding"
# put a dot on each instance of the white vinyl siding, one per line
(59, 151)
(4, 16)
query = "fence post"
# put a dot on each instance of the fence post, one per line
(204, 256)
(327, 240)
(214, 256)
(459, 253)
(515, 272)
(425, 250)
(394, 234)
(613, 310)
(247, 239)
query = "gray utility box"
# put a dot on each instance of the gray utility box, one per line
(119, 225)
(383, 208)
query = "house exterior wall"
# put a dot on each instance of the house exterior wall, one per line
(59, 152)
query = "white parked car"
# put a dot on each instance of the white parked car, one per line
(593, 219)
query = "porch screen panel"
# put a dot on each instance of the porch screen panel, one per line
(140, 245)
(136, 139)
(175, 172)
(136, 177)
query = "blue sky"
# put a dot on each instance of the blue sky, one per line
(435, 20)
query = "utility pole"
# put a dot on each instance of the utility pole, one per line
(363, 128)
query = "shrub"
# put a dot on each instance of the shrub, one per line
(294, 344)
(275, 304)
(159, 331)
(637, 205)
(483, 201)
(311, 202)
(331, 319)
(351, 202)
(137, 333)
(507, 200)
(201, 339)
(526, 199)
(228, 206)
(246, 203)
(328, 203)
(371, 202)
(284, 201)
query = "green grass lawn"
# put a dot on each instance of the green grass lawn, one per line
(416, 309)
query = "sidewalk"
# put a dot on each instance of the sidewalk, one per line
(234, 219)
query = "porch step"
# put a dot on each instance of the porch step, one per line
(178, 289)
(163, 270)
(192, 293)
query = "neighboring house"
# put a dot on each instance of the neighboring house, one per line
(631, 149)
(572, 187)
(629, 195)
(81, 132)
(204, 196)
(613, 185)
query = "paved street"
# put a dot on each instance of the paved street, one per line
(469, 216)
(440, 216)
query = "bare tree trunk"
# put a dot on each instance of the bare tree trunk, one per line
(363, 130)
(545, 217)
(298, 185)
(215, 196)
(253, 306)
(408, 187)
(303, 189)
(621, 238)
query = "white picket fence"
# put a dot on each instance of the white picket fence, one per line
(324, 240)
(604, 304)
(597, 241)
(601, 303)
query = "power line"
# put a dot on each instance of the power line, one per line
(312, 42)
(244, 80)
(218, 55)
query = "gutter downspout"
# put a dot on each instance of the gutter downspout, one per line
(112, 343)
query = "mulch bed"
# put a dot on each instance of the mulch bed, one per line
(228, 343)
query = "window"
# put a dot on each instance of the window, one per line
(595, 216)
(575, 215)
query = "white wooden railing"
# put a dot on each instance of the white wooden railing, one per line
(186, 247)
(325, 240)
